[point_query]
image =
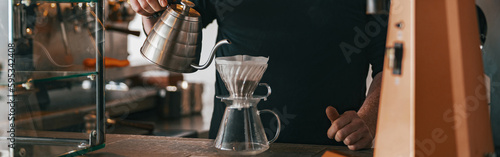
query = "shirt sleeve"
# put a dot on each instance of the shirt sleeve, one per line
(376, 48)
(206, 10)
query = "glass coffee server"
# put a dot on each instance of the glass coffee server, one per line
(241, 131)
(58, 77)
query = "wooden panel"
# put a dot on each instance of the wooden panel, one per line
(394, 135)
(472, 124)
(439, 107)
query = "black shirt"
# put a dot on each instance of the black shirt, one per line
(319, 54)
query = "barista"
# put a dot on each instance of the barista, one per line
(320, 52)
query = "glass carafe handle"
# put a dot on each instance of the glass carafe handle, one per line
(279, 125)
(268, 90)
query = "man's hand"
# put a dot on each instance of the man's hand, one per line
(148, 7)
(349, 128)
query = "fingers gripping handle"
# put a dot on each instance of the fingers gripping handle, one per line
(279, 125)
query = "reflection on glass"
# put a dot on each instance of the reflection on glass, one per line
(53, 89)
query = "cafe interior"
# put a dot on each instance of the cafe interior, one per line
(88, 81)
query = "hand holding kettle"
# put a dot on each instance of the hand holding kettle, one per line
(174, 42)
(150, 11)
(148, 7)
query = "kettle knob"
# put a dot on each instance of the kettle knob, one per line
(187, 6)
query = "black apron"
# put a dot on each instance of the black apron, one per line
(319, 54)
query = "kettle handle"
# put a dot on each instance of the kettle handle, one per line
(278, 130)
(187, 5)
(212, 55)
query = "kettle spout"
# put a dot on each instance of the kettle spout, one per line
(212, 55)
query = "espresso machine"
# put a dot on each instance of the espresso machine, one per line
(433, 100)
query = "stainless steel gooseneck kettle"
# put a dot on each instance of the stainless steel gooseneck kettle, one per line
(175, 40)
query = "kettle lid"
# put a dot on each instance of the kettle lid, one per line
(186, 9)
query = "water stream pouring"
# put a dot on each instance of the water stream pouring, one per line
(241, 131)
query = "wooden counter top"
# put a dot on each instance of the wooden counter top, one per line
(151, 146)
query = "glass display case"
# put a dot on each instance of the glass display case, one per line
(54, 72)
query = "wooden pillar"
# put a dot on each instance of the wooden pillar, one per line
(433, 100)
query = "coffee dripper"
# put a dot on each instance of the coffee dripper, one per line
(241, 131)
